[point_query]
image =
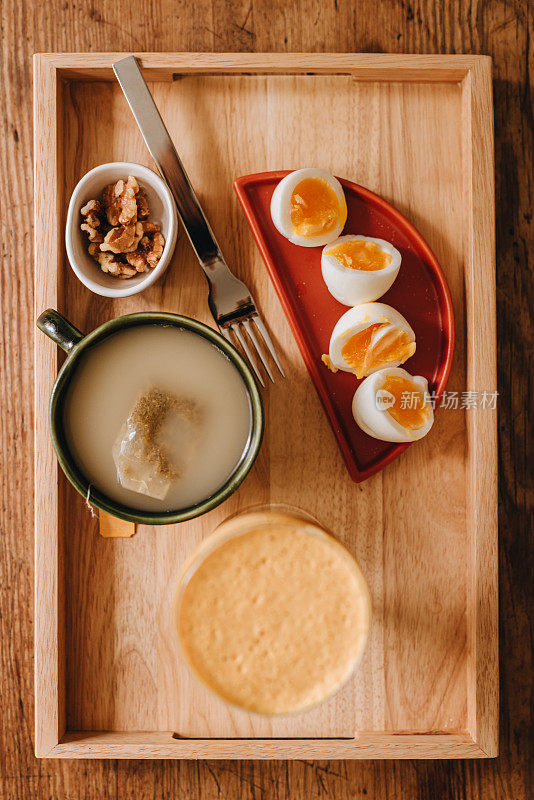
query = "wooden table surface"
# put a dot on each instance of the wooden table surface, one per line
(503, 30)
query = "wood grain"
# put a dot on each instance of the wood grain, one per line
(368, 66)
(417, 672)
(160, 745)
(482, 444)
(49, 551)
(501, 30)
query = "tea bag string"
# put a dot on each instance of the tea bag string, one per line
(87, 502)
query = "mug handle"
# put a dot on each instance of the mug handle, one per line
(59, 329)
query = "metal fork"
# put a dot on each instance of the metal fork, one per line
(230, 301)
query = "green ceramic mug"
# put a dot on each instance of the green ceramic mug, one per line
(76, 344)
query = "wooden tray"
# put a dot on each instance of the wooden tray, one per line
(418, 131)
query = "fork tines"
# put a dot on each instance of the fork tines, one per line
(251, 328)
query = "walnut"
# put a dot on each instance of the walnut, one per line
(127, 272)
(93, 206)
(123, 239)
(92, 233)
(110, 263)
(120, 202)
(155, 253)
(129, 203)
(93, 220)
(94, 250)
(137, 259)
(142, 204)
(132, 184)
(150, 227)
(150, 248)
(111, 204)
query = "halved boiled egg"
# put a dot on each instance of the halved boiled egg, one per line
(308, 207)
(369, 337)
(393, 406)
(358, 269)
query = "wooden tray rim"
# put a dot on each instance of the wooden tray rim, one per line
(473, 74)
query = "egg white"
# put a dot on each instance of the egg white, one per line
(373, 417)
(354, 286)
(281, 207)
(355, 320)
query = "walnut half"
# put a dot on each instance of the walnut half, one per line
(119, 201)
(109, 263)
(123, 239)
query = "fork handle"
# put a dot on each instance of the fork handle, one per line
(168, 162)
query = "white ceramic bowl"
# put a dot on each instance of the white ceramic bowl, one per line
(162, 211)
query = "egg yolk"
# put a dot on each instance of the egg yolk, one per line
(359, 254)
(315, 208)
(409, 408)
(362, 355)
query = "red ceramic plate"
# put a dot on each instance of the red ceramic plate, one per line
(420, 293)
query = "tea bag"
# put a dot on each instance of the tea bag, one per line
(153, 445)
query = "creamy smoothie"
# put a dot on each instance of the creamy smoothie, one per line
(272, 613)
